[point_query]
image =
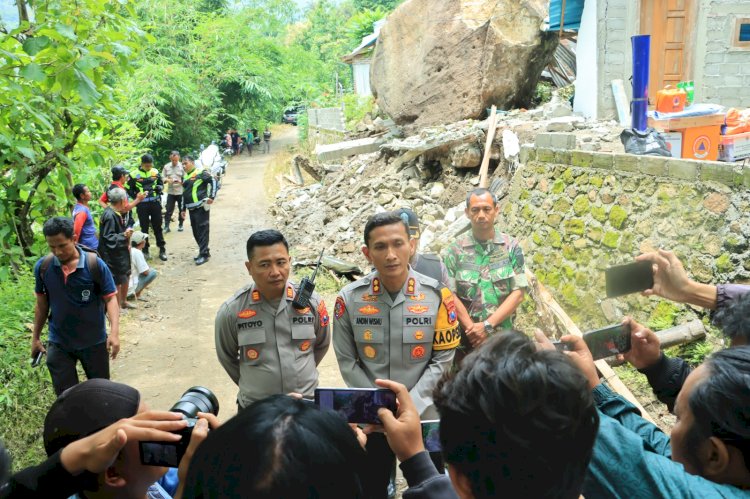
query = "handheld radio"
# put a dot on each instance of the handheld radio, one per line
(306, 288)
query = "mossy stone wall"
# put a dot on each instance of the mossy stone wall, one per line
(575, 221)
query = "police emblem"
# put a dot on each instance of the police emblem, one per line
(305, 346)
(417, 297)
(339, 308)
(367, 335)
(369, 297)
(418, 309)
(323, 314)
(85, 295)
(252, 354)
(418, 335)
(247, 313)
(370, 352)
(369, 310)
(418, 352)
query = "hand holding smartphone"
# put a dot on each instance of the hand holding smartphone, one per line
(605, 342)
(629, 278)
(356, 405)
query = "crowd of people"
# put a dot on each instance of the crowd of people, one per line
(235, 143)
(518, 418)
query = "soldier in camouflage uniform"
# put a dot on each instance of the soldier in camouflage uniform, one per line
(487, 272)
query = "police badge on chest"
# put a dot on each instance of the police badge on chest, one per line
(85, 295)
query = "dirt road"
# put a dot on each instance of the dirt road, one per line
(168, 341)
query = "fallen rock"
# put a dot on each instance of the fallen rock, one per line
(466, 156)
(440, 62)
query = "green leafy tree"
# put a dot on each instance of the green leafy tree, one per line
(387, 5)
(59, 108)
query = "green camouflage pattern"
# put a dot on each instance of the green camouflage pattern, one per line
(483, 275)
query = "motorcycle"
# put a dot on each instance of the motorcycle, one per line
(212, 160)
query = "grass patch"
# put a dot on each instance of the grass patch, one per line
(324, 282)
(25, 392)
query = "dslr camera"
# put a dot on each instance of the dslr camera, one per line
(194, 400)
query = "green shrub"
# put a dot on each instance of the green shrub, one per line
(25, 393)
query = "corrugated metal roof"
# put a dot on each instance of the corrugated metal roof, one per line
(573, 13)
(367, 41)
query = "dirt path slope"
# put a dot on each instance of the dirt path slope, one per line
(168, 342)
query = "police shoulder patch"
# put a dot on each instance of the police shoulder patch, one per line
(323, 314)
(339, 308)
(447, 335)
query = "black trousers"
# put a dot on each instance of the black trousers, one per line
(199, 220)
(149, 214)
(173, 199)
(380, 463)
(62, 364)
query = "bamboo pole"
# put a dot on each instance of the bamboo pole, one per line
(548, 302)
(491, 126)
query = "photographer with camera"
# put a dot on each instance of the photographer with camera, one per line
(95, 404)
(147, 180)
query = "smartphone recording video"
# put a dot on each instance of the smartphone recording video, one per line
(631, 278)
(356, 405)
(608, 341)
(431, 435)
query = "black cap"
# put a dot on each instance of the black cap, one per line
(411, 220)
(85, 409)
(118, 171)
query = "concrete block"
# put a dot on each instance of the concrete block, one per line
(653, 165)
(615, 23)
(602, 160)
(626, 162)
(713, 57)
(528, 153)
(718, 172)
(556, 140)
(581, 158)
(713, 69)
(348, 148)
(563, 156)
(730, 92)
(746, 178)
(685, 169)
(545, 155)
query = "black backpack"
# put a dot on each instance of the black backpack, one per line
(92, 262)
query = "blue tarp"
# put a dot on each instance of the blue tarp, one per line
(573, 13)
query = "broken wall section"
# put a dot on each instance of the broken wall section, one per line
(577, 213)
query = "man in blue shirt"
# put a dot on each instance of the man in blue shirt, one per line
(73, 288)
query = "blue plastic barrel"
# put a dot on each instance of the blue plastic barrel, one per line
(641, 59)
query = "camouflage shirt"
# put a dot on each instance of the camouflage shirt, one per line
(483, 275)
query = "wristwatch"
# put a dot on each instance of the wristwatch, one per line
(488, 327)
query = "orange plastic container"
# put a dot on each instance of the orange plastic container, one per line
(670, 100)
(701, 142)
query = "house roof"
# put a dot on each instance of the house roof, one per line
(573, 13)
(367, 42)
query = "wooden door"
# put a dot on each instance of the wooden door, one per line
(669, 22)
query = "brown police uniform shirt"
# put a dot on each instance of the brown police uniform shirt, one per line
(410, 339)
(268, 350)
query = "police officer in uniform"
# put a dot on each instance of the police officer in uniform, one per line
(265, 344)
(147, 182)
(198, 192)
(393, 324)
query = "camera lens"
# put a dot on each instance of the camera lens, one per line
(197, 399)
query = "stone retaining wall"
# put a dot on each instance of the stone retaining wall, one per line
(580, 212)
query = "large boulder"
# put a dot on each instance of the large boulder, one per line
(443, 61)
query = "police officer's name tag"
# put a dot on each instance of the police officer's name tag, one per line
(305, 319)
(251, 324)
(368, 321)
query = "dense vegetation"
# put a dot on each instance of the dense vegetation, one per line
(88, 84)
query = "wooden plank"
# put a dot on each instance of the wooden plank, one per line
(546, 300)
(491, 126)
(687, 122)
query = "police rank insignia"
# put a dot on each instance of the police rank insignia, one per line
(339, 308)
(305, 346)
(369, 352)
(411, 285)
(369, 310)
(418, 352)
(418, 309)
(417, 297)
(376, 285)
(247, 313)
(369, 297)
(290, 292)
(256, 295)
(323, 314)
(252, 354)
